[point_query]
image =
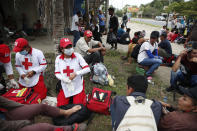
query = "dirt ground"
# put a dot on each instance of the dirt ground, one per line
(45, 44)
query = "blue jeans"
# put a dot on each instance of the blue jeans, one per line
(153, 63)
(76, 35)
(178, 77)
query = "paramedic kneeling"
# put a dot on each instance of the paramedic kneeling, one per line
(135, 104)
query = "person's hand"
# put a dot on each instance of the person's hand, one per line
(72, 76)
(66, 80)
(30, 74)
(184, 52)
(165, 104)
(23, 76)
(103, 52)
(194, 59)
(14, 84)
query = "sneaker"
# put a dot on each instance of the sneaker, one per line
(79, 127)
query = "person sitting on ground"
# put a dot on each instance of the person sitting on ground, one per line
(30, 64)
(69, 68)
(174, 36)
(188, 60)
(169, 34)
(85, 47)
(122, 106)
(184, 117)
(133, 43)
(162, 30)
(18, 117)
(135, 50)
(120, 32)
(125, 38)
(165, 49)
(148, 54)
(6, 66)
(97, 35)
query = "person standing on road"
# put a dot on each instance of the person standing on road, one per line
(125, 20)
(75, 27)
(113, 25)
(101, 22)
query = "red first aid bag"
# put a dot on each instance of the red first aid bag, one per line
(35, 98)
(19, 95)
(23, 96)
(99, 101)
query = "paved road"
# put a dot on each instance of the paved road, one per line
(151, 21)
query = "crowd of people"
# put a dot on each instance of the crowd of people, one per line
(132, 111)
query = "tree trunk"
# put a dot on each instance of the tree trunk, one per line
(58, 23)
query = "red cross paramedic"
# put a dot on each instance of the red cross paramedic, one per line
(30, 64)
(5, 63)
(69, 68)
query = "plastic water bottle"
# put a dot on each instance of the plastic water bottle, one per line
(165, 99)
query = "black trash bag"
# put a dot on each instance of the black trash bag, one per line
(76, 117)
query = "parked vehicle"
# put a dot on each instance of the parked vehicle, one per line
(160, 18)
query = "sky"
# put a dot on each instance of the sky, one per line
(121, 3)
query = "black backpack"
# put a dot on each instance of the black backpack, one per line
(76, 117)
(135, 51)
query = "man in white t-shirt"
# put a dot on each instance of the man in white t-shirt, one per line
(85, 46)
(148, 54)
(75, 27)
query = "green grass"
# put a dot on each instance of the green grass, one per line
(115, 68)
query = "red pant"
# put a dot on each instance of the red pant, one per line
(39, 88)
(77, 99)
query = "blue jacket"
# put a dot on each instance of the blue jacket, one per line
(120, 106)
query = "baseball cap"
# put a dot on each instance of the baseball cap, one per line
(4, 53)
(19, 44)
(191, 92)
(138, 82)
(191, 45)
(88, 33)
(64, 42)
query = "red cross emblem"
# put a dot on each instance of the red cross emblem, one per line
(68, 71)
(26, 64)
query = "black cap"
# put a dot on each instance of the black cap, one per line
(191, 92)
(138, 82)
(164, 34)
(154, 34)
(191, 45)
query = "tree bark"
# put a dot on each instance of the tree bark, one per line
(58, 23)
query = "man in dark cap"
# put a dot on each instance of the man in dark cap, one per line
(165, 49)
(184, 117)
(184, 69)
(136, 89)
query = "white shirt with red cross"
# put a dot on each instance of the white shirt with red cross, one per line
(7, 67)
(34, 61)
(64, 67)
